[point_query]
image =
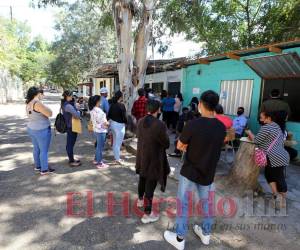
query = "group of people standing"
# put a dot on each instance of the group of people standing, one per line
(104, 116)
(202, 129)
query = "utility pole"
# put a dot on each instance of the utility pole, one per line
(10, 8)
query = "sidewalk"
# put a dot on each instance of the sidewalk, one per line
(33, 207)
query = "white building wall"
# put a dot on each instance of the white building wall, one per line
(11, 87)
(165, 77)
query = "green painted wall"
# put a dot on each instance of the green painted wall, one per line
(211, 76)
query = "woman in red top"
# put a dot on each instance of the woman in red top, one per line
(223, 118)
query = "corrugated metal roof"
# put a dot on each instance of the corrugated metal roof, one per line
(276, 67)
(110, 69)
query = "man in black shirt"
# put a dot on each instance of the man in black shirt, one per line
(202, 139)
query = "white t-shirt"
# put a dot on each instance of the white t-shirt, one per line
(98, 118)
(177, 105)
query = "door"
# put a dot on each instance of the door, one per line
(174, 88)
(270, 85)
(289, 92)
(157, 87)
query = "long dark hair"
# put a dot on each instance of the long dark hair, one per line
(93, 100)
(117, 96)
(65, 94)
(31, 93)
(195, 100)
(179, 96)
(164, 94)
(152, 107)
(279, 117)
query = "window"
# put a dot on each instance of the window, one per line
(103, 84)
(234, 94)
(174, 88)
(157, 87)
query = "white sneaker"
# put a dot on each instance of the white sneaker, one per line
(140, 203)
(150, 218)
(171, 238)
(119, 162)
(204, 238)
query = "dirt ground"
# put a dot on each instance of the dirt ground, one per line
(34, 212)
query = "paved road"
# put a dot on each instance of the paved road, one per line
(33, 208)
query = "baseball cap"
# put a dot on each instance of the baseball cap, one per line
(103, 90)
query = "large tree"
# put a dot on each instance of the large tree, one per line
(222, 25)
(132, 42)
(82, 43)
(23, 57)
(133, 21)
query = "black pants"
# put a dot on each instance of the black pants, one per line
(71, 140)
(146, 190)
(277, 175)
(168, 118)
(175, 118)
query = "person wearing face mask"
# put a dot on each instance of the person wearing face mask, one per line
(202, 140)
(270, 139)
(118, 120)
(70, 111)
(240, 122)
(151, 162)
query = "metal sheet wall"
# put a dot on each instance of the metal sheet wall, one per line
(234, 94)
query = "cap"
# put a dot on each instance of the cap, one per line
(103, 90)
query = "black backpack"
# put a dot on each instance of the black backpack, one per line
(60, 123)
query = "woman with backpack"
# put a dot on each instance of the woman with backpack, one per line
(100, 125)
(39, 130)
(270, 139)
(118, 119)
(70, 112)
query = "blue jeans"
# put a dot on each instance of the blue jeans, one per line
(118, 132)
(185, 189)
(41, 141)
(71, 140)
(100, 137)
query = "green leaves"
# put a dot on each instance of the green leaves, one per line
(26, 59)
(232, 24)
(87, 38)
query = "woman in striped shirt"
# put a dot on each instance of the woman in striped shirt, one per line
(278, 158)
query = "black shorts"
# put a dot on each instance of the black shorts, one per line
(277, 175)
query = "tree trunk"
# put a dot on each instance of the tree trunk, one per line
(244, 173)
(123, 15)
(142, 39)
(132, 72)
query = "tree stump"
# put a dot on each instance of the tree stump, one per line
(244, 173)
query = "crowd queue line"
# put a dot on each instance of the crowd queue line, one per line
(201, 131)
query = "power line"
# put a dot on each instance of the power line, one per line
(11, 17)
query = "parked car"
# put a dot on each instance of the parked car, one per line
(53, 90)
(75, 93)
